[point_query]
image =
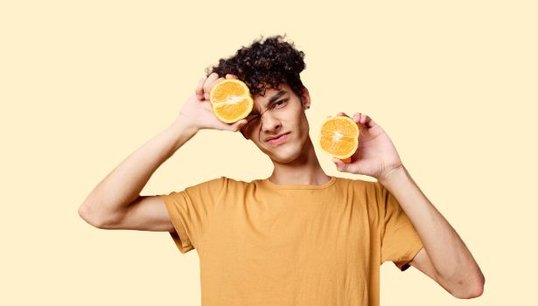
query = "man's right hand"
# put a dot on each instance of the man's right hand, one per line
(197, 111)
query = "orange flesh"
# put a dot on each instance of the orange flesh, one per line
(339, 137)
(231, 100)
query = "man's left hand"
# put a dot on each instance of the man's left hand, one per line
(376, 155)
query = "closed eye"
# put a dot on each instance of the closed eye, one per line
(252, 117)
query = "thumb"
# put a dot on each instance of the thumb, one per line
(236, 126)
(340, 165)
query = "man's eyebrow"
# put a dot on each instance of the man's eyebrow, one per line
(276, 96)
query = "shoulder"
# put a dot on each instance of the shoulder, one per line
(358, 184)
(372, 193)
(223, 183)
(375, 188)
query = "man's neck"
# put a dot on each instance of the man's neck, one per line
(305, 170)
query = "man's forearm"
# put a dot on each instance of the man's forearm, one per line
(447, 252)
(123, 185)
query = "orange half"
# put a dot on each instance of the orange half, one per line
(339, 137)
(231, 100)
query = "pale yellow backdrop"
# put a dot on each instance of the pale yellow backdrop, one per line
(85, 83)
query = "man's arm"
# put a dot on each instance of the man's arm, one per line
(444, 258)
(118, 192)
(115, 203)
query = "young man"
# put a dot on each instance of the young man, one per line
(300, 236)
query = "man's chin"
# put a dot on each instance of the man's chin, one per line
(284, 158)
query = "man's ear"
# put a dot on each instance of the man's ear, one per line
(305, 98)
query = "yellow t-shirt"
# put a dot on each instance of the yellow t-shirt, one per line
(260, 243)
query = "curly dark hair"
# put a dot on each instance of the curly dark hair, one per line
(265, 64)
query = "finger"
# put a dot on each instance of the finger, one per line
(340, 165)
(231, 76)
(240, 124)
(367, 121)
(209, 83)
(209, 86)
(341, 114)
(236, 126)
(356, 117)
(213, 76)
(210, 80)
(363, 120)
(200, 89)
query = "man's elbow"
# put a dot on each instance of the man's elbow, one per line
(85, 213)
(93, 218)
(471, 291)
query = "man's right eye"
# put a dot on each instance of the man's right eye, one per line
(251, 122)
(253, 117)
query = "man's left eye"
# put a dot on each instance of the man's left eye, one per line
(281, 102)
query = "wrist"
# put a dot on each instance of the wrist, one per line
(182, 130)
(391, 174)
(184, 124)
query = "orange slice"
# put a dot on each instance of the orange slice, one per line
(231, 100)
(339, 137)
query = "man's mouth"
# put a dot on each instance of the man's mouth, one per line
(278, 139)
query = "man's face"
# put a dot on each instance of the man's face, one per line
(278, 125)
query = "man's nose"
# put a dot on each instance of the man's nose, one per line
(270, 123)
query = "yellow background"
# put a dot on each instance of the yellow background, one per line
(85, 83)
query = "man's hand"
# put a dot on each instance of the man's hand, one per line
(197, 111)
(376, 155)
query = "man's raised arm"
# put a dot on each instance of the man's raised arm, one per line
(116, 202)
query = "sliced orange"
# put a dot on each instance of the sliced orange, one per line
(339, 137)
(231, 100)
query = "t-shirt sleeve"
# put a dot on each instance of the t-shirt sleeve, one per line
(189, 211)
(400, 242)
